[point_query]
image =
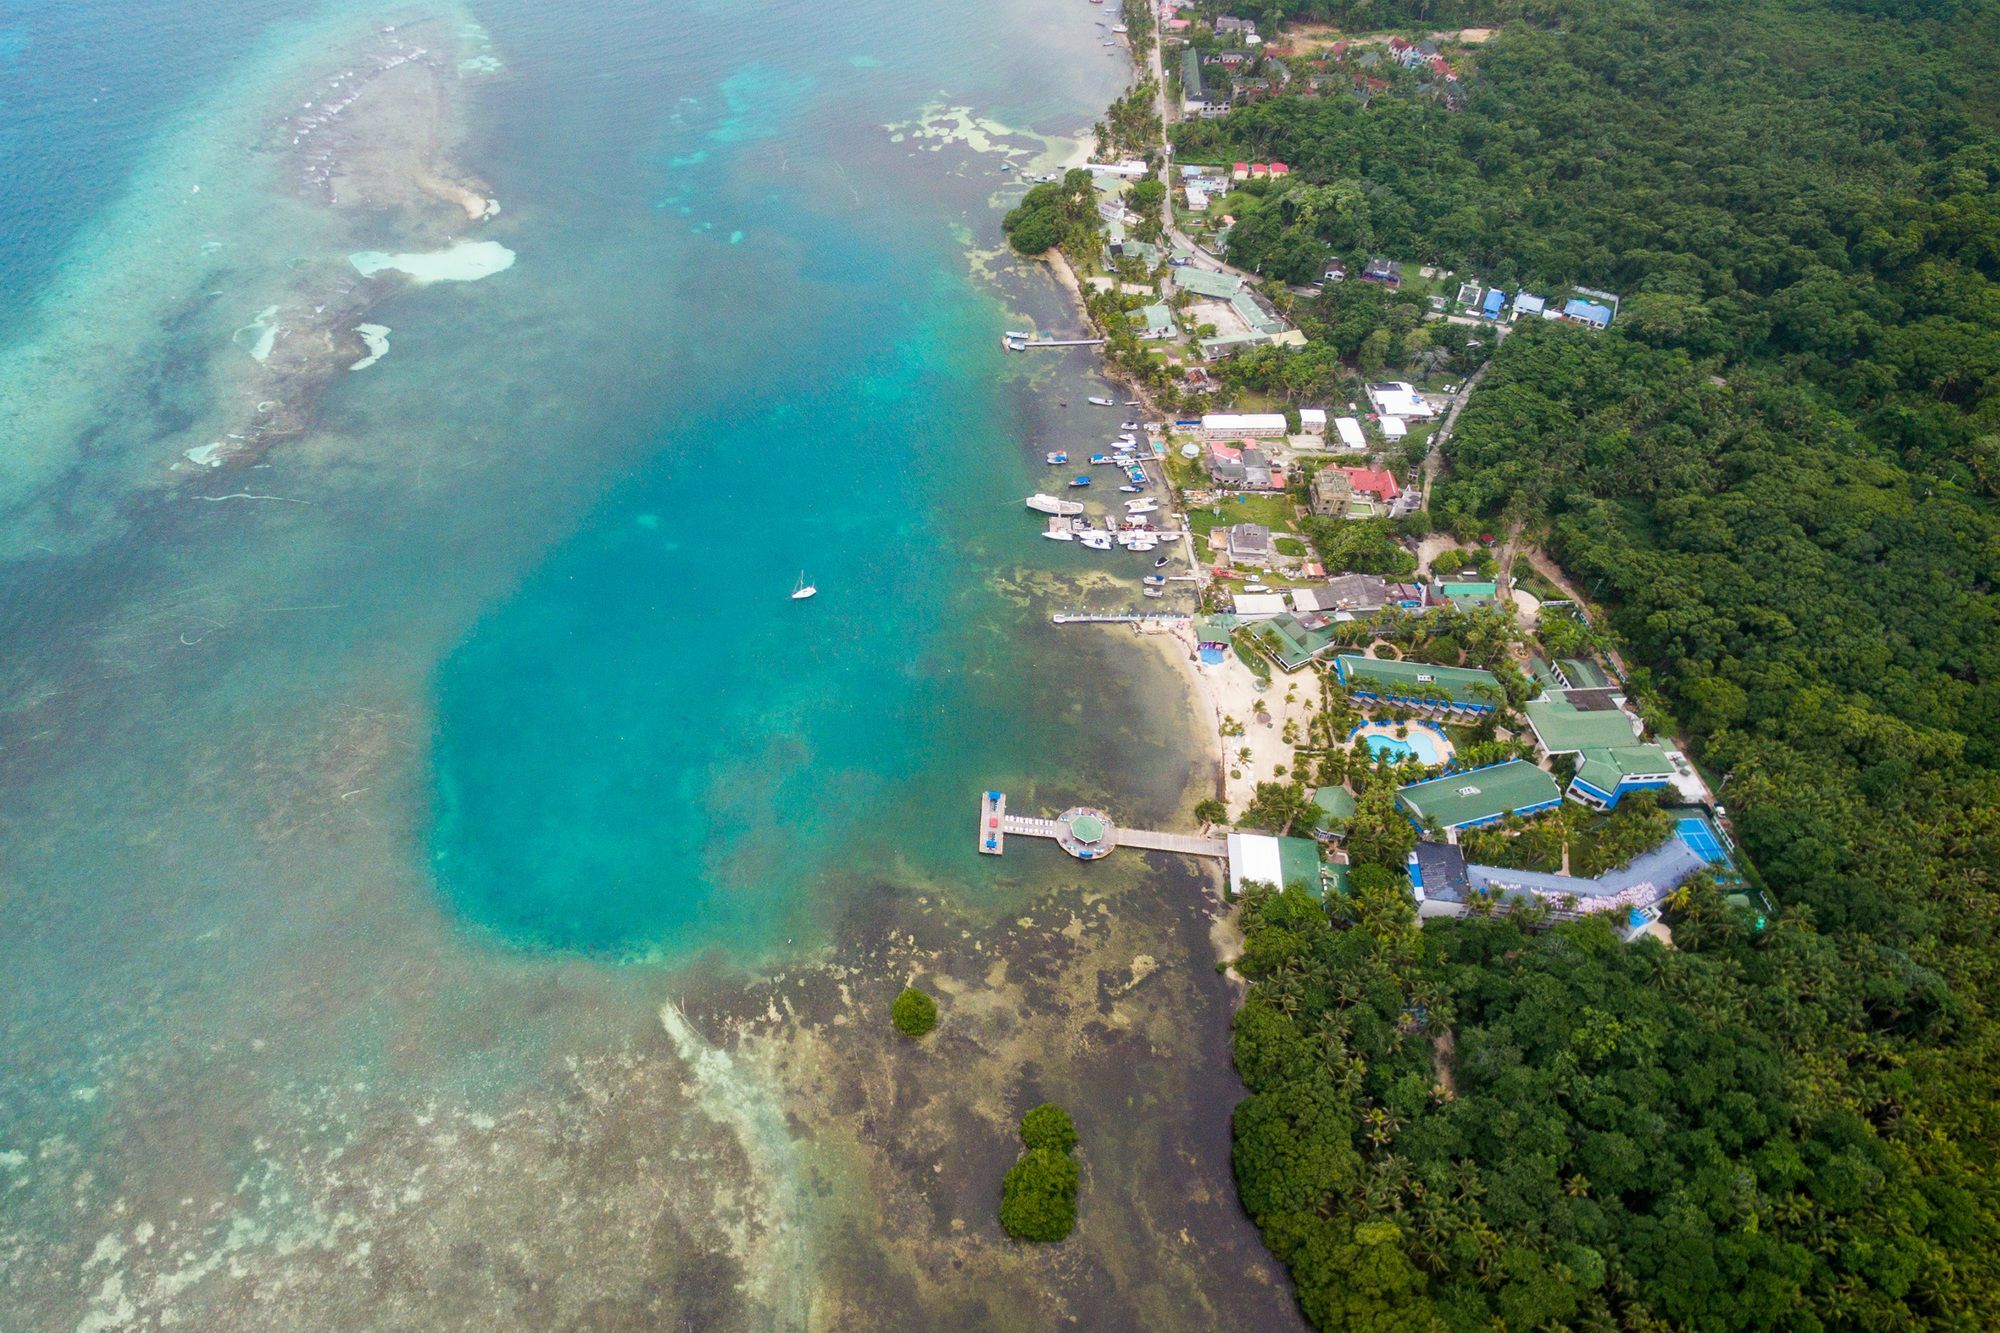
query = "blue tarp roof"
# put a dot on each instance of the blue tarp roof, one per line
(1495, 301)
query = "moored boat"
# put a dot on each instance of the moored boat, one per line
(1080, 479)
(1048, 504)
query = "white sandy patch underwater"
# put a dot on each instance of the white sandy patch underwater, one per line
(467, 261)
(375, 337)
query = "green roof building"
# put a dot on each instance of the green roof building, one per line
(1207, 282)
(1336, 806)
(1420, 685)
(1297, 643)
(1467, 595)
(1481, 795)
(1259, 858)
(1593, 725)
(1159, 321)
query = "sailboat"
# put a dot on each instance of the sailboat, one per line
(803, 589)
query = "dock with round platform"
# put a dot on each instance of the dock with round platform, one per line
(1085, 832)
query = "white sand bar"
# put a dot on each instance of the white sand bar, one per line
(468, 261)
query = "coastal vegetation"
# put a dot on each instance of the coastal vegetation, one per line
(1776, 472)
(1056, 213)
(1038, 1196)
(914, 1013)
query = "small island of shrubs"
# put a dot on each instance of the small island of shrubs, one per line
(1038, 1197)
(914, 1013)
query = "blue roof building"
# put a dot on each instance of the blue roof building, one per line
(1589, 313)
(1496, 301)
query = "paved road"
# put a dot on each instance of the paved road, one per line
(1435, 457)
(1167, 117)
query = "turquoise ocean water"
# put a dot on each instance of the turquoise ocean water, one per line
(396, 778)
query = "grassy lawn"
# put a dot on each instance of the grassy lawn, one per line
(1275, 512)
(1287, 546)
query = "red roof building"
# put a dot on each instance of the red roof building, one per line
(1280, 169)
(1369, 481)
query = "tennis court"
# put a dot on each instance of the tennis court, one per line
(1697, 835)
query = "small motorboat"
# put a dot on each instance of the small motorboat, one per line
(1156, 580)
(1145, 506)
(1129, 489)
(1128, 425)
(1006, 166)
(1102, 402)
(1255, 587)
(1154, 592)
(1161, 563)
(1055, 534)
(1096, 541)
(1057, 457)
(802, 590)
(1080, 479)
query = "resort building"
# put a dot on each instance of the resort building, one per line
(1468, 595)
(1420, 686)
(1592, 724)
(1444, 884)
(1259, 858)
(1479, 796)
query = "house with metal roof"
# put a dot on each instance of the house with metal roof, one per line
(1157, 321)
(1419, 685)
(1467, 595)
(1207, 282)
(1593, 725)
(1529, 306)
(1496, 301)
(1479, 796)
(1587, 313)
(1388, 272)
(1259, 858)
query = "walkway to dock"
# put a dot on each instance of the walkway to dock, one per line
(1119, 618)
(1028, 344)
(1083, 832)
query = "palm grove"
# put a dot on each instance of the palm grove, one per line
(1777, 470)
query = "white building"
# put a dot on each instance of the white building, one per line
(1312, 420)
(1128, 170)
(1259, 605)
(1394, 428)
(1197, 199)
(1350, 434)
(1397, 399)
(1244, 423)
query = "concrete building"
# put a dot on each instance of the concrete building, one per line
(1330, 493)
(1395, 398)
(1243, 423)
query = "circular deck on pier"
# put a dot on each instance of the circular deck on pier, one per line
(1086, 834)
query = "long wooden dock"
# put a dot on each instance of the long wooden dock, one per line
(995, 824)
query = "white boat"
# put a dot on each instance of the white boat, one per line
(1145, 506)
(1142, 546)
(802, 589)
(1129, 490)
(1102, 402)
(1156, 581)
(1048, 504)
(1096, 541)
(1255, 587)
(1060, 535)
(1128, 425)
(1155, 592)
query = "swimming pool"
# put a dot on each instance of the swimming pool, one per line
(1419, 744)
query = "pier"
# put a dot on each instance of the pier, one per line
(1119, 618)
(1086, 833)
(1014, 344)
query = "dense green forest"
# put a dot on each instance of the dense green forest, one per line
(1776, 470)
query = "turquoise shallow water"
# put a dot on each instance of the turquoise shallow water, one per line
(332, 788)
